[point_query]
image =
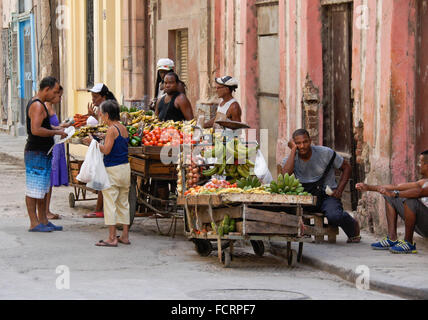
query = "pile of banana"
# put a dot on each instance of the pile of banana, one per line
(235, 160)
(86, 131)
(288, 185)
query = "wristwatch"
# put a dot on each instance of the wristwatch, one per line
(396, 194)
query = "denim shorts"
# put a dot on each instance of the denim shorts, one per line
(38, 167)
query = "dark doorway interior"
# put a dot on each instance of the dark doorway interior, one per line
(337, 104)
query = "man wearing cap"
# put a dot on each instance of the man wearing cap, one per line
(100, 93)
(229, 108)
(165, 66)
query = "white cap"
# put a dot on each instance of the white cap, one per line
(165, 64)
(227, 81)
(97, 88)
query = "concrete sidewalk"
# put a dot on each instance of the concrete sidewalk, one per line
(403, 275)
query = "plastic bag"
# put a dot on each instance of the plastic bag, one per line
(93, 171)
(87, 171)
(100, 181)
(261, 169)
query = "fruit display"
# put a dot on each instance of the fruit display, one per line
(232, 160)
(226, 226)
(214, 186)
(288, 185)
(83, 132)
(249, 183)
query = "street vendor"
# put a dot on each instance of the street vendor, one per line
(100, 93)
(315, 165)
(229, 108)
(174, 105)
(165, 66)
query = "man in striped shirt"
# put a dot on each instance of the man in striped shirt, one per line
(410, 202)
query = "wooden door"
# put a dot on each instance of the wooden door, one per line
(269, 68)
(421, 116)
(337, 64)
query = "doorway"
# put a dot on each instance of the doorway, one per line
(421, 117)
(337, 104)
(269, 68)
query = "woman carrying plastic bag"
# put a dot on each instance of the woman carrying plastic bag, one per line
(93, 171)
(115, 198)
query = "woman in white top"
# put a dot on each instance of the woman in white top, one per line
(229, 108)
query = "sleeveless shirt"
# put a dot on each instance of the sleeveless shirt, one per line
(168, 111)
(37, 143)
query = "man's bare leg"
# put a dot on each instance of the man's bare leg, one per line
(391, 219)
(49, 214)
(41, 210)
(31, 208)
(409, 223)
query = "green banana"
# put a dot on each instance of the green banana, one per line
(274, 187)
(210, 172)
(287, 179)
(243, 172)
(221, 169)
(281, 184)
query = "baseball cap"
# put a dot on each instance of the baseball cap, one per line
(165, 64)
(227, 81)
(97, 88)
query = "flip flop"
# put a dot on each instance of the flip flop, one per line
(102, 243)
(127, 243)
(94, 215)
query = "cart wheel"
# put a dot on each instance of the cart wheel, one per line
(292, 258)
(203, 247)
(226, 258)
(258, 247)
(71, 200)
(132, 200)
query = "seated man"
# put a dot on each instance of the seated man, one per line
(310, 164)
(410, 202)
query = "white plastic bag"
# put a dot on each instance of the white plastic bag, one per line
(87, 171)
(93, 171)
(100, 181)
(261, 169)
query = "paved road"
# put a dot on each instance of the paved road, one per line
(153, 267)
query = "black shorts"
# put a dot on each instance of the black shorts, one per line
(415, 206)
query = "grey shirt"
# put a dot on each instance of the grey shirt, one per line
(312, 170)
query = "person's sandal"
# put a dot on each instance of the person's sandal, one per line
(356, 239)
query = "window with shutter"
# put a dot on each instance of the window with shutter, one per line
(182, 51)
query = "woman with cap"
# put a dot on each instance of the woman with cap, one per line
(229, 108)
(165, 66)
(100, 93)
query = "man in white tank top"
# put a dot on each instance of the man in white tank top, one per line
(229, 108)
(410, 202)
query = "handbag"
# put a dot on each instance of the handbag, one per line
(317, 188)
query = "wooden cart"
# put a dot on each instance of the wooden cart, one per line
(80, 189)
(147, 172)
(262, 218)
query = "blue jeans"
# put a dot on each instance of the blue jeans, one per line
(332, 208)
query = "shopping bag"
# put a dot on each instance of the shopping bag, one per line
(100, 181)
(87, 171)
(261, 169)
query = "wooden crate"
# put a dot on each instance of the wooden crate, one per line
(262, 222)
(138, 164)
(158, 169)
(74, 171)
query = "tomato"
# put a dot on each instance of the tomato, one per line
(160, 144)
